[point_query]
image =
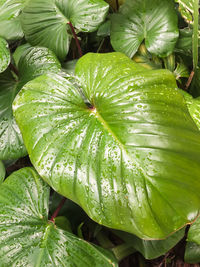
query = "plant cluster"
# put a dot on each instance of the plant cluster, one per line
(103, 97)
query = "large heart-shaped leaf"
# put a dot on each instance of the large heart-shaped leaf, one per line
(151, 249)
(46, 22)
(10, 19)
(119, 141)
(193, 105)
(2, 171)
(34, 62)
(27, 238)
(4, 55)
(154, 21)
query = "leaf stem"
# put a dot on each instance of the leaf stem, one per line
(55, 214)
(14, 69)
(189, 80)
(76, 39)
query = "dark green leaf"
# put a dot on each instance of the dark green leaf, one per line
(192, 253)
(4, 55)
(19, 51)
(151, 249)
(69, 67)
(27, 238)
(63, 223)
(152, 21)
(120, 142)
(45, 22)
(2, 171)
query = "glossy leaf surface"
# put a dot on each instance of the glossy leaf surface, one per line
(27, 238)
(34, 62)
(45, 22)
(193, 105)
(151, 249)
(4, 55)
(130, 156)
(11, 142)
(152, 21)
(2, 171)
(10, 11)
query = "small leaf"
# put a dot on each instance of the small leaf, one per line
(27, 238)
(85, 15)
(63, 223)
(2, 172)
(152, 249)
(119, 141)
(152, 21)
(4, 55)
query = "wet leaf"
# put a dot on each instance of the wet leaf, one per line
(27, 238)
(193, 105)
(85, 15)
(151, 21)
(4, 55)
(118, 140)
(34, 62)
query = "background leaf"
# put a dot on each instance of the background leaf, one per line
(10, 19)
(119, 141)
(4, 55)
(192, 253)
(152, 21)
(27, 238)
(151, 249)
(2, 171)
(85, 15)
(186, 8)
(193, 105)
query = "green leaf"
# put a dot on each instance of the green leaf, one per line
(69, 66)
(2, 171)
(4, 55)
(192, 253)
(11, 142)
(34, 62)
(63, 223)
(9, 19)
(152, 21)
(19, 51)
(27, 238)
(151, 249)
(186, 8)
(45, 22)
(119, 142)
(193, 105)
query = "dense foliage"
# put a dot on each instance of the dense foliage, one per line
(100, 102)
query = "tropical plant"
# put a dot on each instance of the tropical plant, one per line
(99, 131)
